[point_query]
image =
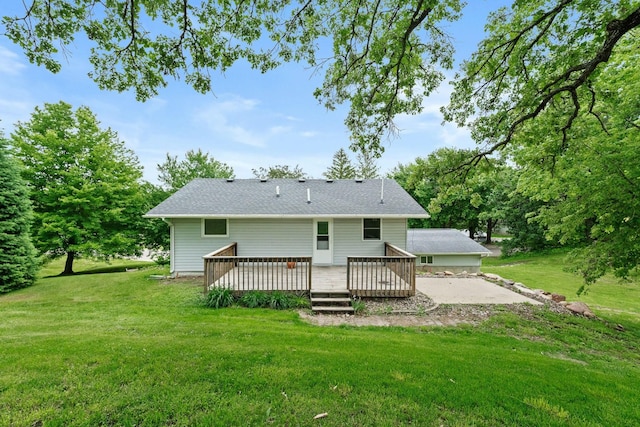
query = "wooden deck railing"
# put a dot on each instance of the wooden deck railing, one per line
(213, 271)
(224, 268)
(392, 275)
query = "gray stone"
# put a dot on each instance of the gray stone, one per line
(558, 297)
(492, 276)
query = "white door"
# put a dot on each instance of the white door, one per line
(322, 242)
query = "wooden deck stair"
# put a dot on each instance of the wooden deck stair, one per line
(331, 301)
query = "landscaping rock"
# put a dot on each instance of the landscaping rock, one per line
(523, 289)
(508, 282)
(558, 297)
(545, 295)
(580, 308)
(449, 273)
(492, 276)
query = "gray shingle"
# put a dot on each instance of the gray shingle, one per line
(442, 241)
(253, 198)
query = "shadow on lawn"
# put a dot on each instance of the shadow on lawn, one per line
(133, 266)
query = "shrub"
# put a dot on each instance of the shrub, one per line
(300, 302)
(358, 305)
(279, 300)
(219, 297)
(255, 299)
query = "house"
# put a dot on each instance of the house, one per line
(324, 221)
(438, 249)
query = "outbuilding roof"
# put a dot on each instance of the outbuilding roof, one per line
(289, 198)
(442, 241)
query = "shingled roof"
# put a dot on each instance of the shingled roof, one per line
(289, 198)
(442, 241)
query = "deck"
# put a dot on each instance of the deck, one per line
(391, 275)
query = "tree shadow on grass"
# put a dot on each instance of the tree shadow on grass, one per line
(132, 266)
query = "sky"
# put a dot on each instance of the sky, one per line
(251, 120)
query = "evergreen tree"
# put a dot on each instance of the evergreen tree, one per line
(18, 261)
(341, 168)
(367, 166)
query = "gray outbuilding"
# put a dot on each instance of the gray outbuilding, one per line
(443, 249)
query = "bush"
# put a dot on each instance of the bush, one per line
(279, 301)
(219, 297)
(358, 305)
(300, 302)
(276, 300)
(255, 299)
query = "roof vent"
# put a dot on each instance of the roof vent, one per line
(301, 180)
(229, 179)
(329, 181)
(359, 180)
(277, 191)
(263, 179)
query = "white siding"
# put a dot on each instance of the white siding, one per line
(255, 237)
(279, 237)
(454, 263)
(348, 239)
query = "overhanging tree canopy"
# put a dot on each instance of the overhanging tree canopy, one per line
(384, 55)
(538, 53)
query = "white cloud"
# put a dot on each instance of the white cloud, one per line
(219, 117)
(279, 130)
(308, 134)
(10, 62)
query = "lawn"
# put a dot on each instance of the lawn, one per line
(123, 349)
(609, 296)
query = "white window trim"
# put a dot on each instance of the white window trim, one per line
(362, 230)
(213, 236)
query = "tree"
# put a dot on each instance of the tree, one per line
(367, 167)
(473, 200)
(279, 171)
(176, 174)
(527, 234)
(155, 232)
(386, 55)
(84, 184)
(18, 261)
(341, 168)
(421, 187)
(588, 181)
(538, 54)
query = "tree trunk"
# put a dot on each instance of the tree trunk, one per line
(68, 265)
(490, 225)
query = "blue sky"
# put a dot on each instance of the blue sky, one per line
(250, 120)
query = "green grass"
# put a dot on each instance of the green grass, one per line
(609, 296)
(123, 349)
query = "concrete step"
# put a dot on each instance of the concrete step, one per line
(330, 293)
(332, 300)
(322, 309)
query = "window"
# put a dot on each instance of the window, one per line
(214, 227)
(322, 236)
(429, 259)
(426, 259)
(371, 228)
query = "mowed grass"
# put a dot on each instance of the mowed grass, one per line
(609, 296)
(120, 349)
